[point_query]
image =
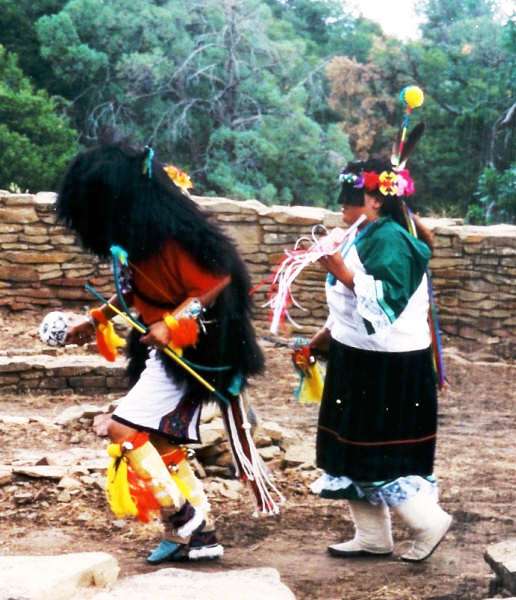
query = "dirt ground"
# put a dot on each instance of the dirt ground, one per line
(476, 466)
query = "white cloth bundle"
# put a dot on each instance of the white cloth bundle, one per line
(299, 258)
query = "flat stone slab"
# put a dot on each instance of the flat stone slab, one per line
(501, 558)
(74, 413)
(299, 454)
(41, 471)
(59, 577)
(70, 360)
(181, 584)
(14, 420)
(67, 373)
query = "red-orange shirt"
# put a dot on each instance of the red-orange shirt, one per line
(175, 276)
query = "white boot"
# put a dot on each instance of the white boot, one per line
(372, 531)
(429, 523)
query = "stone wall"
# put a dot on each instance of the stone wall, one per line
(41, 263)
(60, 372)
(474, 268)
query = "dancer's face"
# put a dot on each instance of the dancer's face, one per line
(370, 208)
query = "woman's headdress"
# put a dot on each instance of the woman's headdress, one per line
(395, 181)
(412, 97)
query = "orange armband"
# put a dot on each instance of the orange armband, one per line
(184, 332)
(97, 315)
(108, 341)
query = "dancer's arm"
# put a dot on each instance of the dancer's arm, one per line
(334, 264)
(159, 333)
(321, 340)
(423, 232)
(83, 329)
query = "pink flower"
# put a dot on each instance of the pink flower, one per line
(405, 184)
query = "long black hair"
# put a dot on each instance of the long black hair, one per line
(107, 197)
(392, 206)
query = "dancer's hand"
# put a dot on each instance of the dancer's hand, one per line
(80, 332)
(321, 340)
(333, 263)
(158, 335)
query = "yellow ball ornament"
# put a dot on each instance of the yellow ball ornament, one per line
(412, 96)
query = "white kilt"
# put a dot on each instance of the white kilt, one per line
(154, 395)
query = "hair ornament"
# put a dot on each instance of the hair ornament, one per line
(404, 183)
(359, 183)
(411, 97)
(357, 180)
(371, 180)
(348, 177)
(180, 178)
(147, 161)
(388, 183)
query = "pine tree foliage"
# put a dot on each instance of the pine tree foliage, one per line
(36, 142)
(265, 99)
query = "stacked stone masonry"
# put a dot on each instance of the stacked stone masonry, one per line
(43, 267)
(61, 373)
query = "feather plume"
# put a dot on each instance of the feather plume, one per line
(413, 138)
(395, 156)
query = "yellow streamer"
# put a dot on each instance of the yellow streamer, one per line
(312, 385)
(117, 485)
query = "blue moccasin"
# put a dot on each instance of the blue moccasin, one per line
(168, 551)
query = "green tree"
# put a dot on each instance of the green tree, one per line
(36, 142)
(203, 81)
(328, 30)
(439, 15)
(18, 35)
(495, 199)
(327, 27)
(276, 162)
(468, 79)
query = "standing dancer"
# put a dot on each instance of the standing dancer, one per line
(378, 418)
(185, 279)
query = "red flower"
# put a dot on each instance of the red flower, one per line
(371, 181)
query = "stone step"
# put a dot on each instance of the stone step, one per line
(94, 576)
(60, 577)
(182, 584)
(80, 374)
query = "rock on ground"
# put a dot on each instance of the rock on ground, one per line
(179, 584)
(59, 577)
(501, 558)
(6, 475)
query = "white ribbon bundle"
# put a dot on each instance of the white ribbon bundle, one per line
(338, 240)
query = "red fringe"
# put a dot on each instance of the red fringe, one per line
(142, 497)
(138, 439)
(174, 457)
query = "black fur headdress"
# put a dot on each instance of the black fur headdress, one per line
(107, 199)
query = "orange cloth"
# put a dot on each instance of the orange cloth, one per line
(177, 277)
